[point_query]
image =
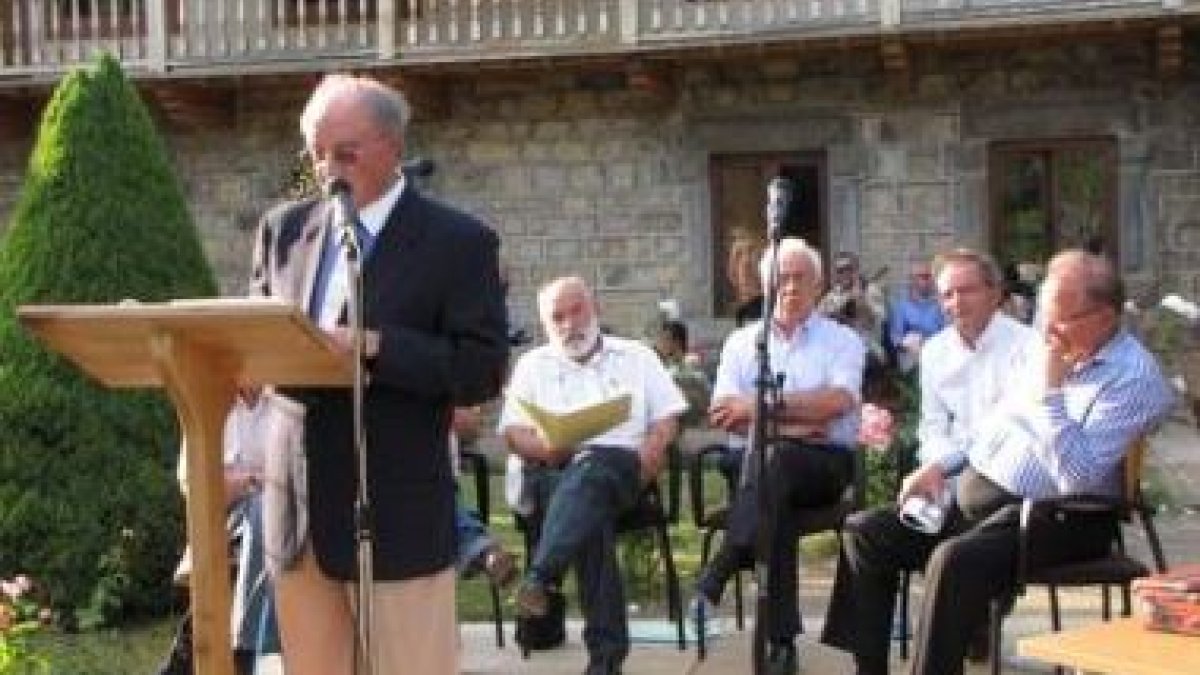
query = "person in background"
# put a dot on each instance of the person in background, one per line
(478, 550)
(671, 345)
(1088, 390)
(914, 316)
(741, 271)
(253, 627)
(821, 364)
(579, 492)
(434, 339)
(855, 301)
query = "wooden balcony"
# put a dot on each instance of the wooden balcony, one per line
(39, 39)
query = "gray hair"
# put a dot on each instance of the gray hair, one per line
(788, 246)
(551, 290)
(1102, 282)
(388, 106)
(989, 269)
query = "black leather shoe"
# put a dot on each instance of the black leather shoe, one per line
(782, 659)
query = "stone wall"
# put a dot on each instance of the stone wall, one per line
(581, 175)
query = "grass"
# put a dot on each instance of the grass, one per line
(139, 648)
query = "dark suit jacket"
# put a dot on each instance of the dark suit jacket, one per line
(432, 289)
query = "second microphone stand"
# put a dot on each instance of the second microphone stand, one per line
(763, 432)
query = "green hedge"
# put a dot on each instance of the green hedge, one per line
(88, 504)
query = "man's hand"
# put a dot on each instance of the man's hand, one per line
(529, 444)
(653, 451)
(1061, 356)
(343, 339)
(651, 464)
(731, 413)
(928, 480)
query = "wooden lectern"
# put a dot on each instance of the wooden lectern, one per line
(200, 351)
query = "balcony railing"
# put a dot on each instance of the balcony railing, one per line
(40, 38)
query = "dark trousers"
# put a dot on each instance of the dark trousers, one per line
(578, 525)
(970, 563)
(802, 476)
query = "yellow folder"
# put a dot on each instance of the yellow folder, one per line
(569, 429)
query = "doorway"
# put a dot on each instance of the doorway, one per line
(738, 185)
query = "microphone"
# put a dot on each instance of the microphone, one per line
(420, 167)
(779, 197)
(339, 192)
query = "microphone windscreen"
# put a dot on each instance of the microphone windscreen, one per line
(337, 186)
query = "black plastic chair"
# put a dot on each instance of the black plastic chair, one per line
(475, 464)
(827, 518)
(1117, 569)
(648, 513)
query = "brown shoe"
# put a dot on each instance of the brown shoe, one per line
(500, 566)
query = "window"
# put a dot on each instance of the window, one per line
(1051, 195)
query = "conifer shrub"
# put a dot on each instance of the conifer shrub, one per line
(88, 502)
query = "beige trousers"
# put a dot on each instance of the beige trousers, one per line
(415, 627)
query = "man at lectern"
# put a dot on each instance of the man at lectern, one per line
(434, 339)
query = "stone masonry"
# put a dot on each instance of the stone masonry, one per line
(580, 174)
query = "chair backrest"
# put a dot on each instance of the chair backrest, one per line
(1131, 471)
(1131, 491)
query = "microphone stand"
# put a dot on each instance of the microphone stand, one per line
(764, 430)
(363, 525)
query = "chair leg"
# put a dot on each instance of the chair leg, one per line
(1126, 600)
(995, 618)
(1055, 617)
(497, 615)
(674, 601)
(738, 604)
(905, 581)
(1105, 602)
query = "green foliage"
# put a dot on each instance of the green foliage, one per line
(87, 497)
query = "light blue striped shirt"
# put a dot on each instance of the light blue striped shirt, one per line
(820, 353)
(1071, 440)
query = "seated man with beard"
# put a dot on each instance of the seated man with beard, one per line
(579, 492)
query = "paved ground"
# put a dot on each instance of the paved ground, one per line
(1175, 461)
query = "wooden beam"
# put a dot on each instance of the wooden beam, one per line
(1170, 50)
(191, 105)
(429, 95)
(657, 79)
(896, 63)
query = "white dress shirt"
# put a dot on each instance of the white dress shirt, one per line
(373, 217)
(820, 353)
(960, 385)
(548, 378)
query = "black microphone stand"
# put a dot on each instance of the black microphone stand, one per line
(764, 427)
(363, 525)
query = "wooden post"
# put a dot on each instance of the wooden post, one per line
(629, 21)
(156, 35)
(386, 20)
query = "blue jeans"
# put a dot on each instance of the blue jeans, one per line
(473, 537)
(579, 506)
